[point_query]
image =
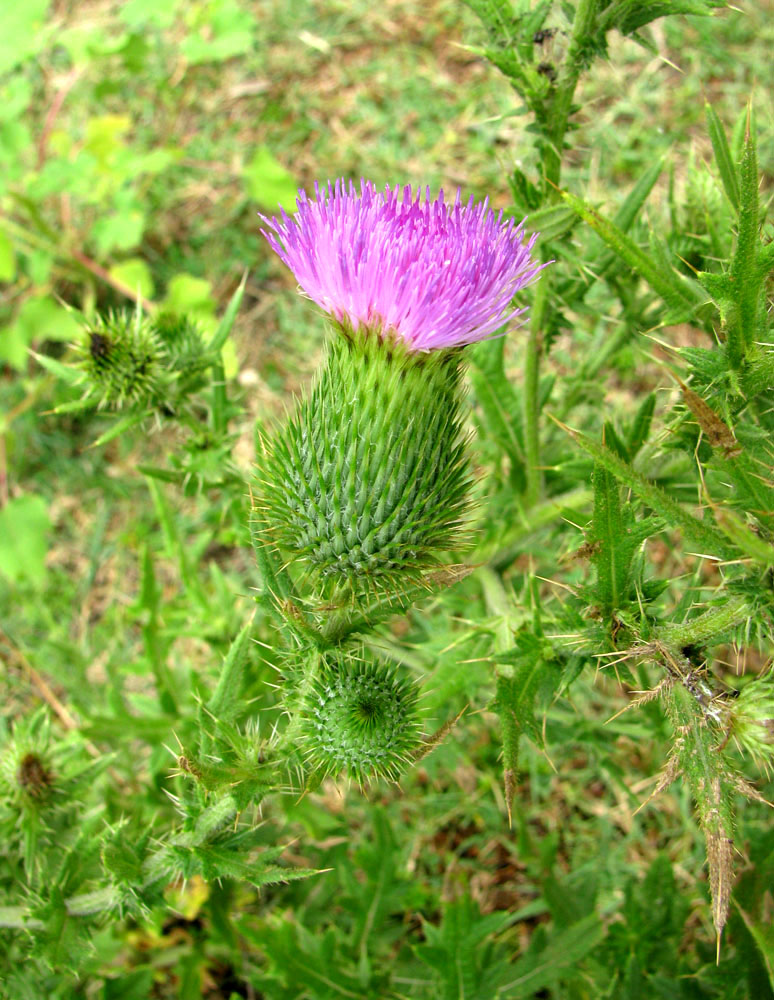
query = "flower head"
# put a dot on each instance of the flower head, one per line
(434, 274)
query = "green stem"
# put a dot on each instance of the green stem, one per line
(533, 472)
(219, 401)
(554, 121)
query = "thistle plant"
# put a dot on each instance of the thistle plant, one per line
(447, 516)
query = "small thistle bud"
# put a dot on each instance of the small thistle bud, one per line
(180, 336)
(122, 359)
(361, 718)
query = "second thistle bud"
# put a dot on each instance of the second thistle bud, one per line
(368, 483)
(360, 718)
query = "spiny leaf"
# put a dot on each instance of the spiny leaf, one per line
(469, 968)
(723, 159)
(701, 533)
(224, 703)
(497, 398)
(525, 673)
(710, 781)
(680, 297)
(224, 327)
(640, 428)
(542, 969)
(742, 327)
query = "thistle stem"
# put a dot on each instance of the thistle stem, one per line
(554, 117)
(533, 472)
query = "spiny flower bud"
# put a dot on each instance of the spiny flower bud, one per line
(181, 338)
(361, 718)
(369, 480)
(122, 358)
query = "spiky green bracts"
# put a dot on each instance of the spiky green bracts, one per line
(367, 484)
(360, 718)
(123, 360)
(131, 360)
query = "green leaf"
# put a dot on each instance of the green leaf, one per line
(135, 274)
(497, 398)
(468, 967)
(612, 544)
(227, 322)
(628, 16)
(268, 182)
(525, 675)
(119, 427)
(40, 318)
(67, 373)
(104, 137)
(632, 205)
(763, 936)
(225, 702)
(552, 222)
(542, 969)
(701, 533)
(746, 281)
(138, 13)
(24, 528)
(640, 428)
(133, 985)
(188, 294)
(174, 541)
(723, 160)
(24, 32)
(711, 782)
(119, 230)
(225, 29)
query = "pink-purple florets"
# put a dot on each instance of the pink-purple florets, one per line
(436, 275)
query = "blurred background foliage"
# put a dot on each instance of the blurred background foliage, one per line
(138, 143)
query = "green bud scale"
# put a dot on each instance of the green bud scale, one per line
(368, 482)
(361, 718)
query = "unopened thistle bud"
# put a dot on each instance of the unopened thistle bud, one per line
(368, 483)
(181, 338)
(360, 718)
(122, 358)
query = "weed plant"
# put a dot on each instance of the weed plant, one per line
(452, 677)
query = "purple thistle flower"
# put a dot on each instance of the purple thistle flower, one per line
(436, 275)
